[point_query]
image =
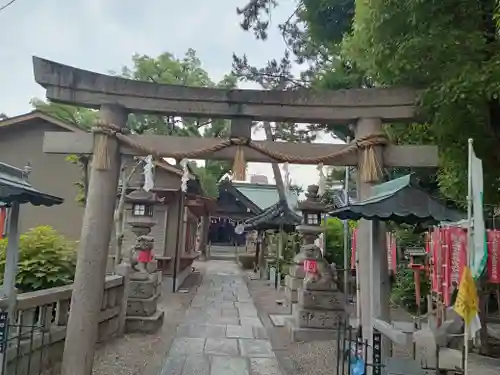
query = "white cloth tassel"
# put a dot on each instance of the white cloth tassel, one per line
(149, 167)
(185, 175)
(322, 180)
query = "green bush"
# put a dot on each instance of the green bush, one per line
(403, 289)
(46, 260)
(335, 242)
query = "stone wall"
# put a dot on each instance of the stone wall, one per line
(36, 337)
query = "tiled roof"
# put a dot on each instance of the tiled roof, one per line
(263, 195)
(15, 188)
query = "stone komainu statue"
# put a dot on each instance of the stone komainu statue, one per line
(141, 253)
(326, 275)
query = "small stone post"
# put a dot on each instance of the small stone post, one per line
(143, 291)
(88, 288)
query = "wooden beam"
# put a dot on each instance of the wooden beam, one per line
(394, 156)
(70, 85)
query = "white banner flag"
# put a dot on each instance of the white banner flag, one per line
(478, 253)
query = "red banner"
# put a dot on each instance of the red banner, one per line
(493, 256)
(353, 248)
(448, 256)
(391, 250)
(3, 221)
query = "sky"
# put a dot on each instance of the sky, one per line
(102, 35)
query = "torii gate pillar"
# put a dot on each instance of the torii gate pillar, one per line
(371, 246)
(81, 333)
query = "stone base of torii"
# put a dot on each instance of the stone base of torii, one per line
(367, 108)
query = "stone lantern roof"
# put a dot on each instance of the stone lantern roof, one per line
(312, 203)
(141, 196)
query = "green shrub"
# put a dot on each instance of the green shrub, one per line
(335, 242)
(46, 260)
(403, 289)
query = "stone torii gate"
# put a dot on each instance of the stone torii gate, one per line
(116, 97)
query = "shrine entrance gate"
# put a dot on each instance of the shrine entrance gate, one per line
(115, 97)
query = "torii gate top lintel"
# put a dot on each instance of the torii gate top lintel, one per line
(71, 85)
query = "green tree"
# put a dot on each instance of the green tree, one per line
(83, 118)
(453, 57)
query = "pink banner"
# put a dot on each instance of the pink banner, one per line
(391, 250)
(493, 256)
(3, 221)
(448, 256)
(353, 249)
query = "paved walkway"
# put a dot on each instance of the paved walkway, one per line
(222, 333)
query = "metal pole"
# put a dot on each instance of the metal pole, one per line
(346, 235)
(12, 257)
(470, 228)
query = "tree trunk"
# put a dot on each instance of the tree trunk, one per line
(276, 171)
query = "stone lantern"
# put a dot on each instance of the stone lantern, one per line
(141, 222)
(312, 211)
(144, 288)
(312, 281)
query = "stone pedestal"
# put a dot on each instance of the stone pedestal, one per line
(143, 295)
(317, 315)
(320, 307)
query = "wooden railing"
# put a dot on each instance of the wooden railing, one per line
(35, 338)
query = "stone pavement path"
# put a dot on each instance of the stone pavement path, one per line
(222, 333)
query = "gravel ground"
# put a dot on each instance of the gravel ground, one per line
(139, 354)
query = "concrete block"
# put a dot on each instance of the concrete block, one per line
(144, 324)
(425, 347)
(323, 300)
